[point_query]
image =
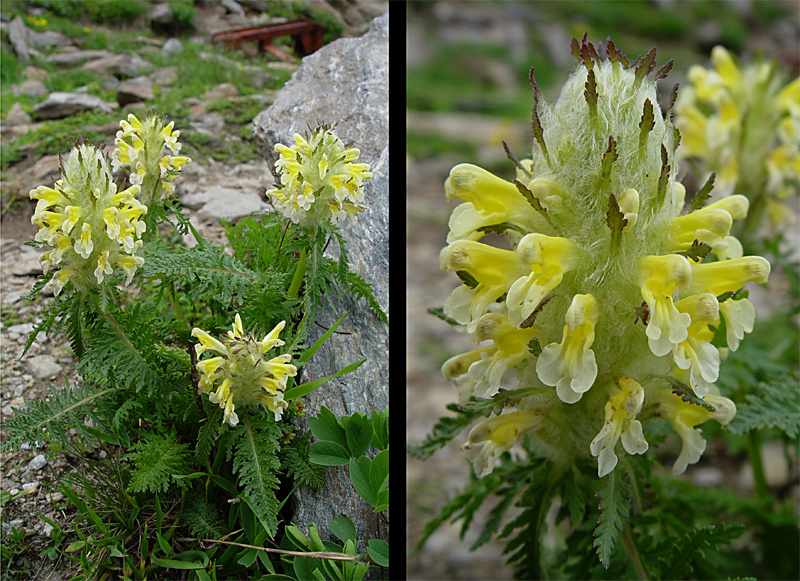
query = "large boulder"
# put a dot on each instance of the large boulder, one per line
(346, 83)
(59, 105)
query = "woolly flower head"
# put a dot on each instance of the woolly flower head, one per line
(743, 123)
(240, 373)
(319, 181)
(599, 304)
(140, 149)
(92, 228)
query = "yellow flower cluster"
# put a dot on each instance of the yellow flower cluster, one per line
(595, 241)
(240, 373)
(140, 145)
(742, 123)
(92, 227)
(320, 183)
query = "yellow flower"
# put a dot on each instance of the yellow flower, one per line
(491, 437)
(319, 183)
(241, 374)
(92, 227)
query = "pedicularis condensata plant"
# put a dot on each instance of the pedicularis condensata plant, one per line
(603, 298)
(143, 372)
(744, 123)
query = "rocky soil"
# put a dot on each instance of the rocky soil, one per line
(211, 190)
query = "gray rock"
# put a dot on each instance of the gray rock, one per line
(164, 76)
(172, 47)
(35, 73)
(345, 82)
(135, 90)
(43, 366)
(221, 91)
(33, 88)
(47, 39)
(123, 66)
(17, 116)
(59, 105)
(21, 328)
(38, 462)
(218, 203)
(17, 35)
(43, 172)
(28, 263)
(161, 14)
(76, 57)
(233, 7)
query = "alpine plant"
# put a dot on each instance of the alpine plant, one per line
(599, 296)
(320, 183)
(91, 227)
(744, 122)
(140, 150)
(241, 373)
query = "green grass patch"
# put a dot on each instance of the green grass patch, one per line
(10, 67)
(421, 146)
(237, 112)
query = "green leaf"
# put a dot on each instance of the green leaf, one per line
(157, 457)
(306, 388)
(704, 193)
(328, 454)
(378, 551)
(343, 528)
(380, 427)
(327, 426)
(533, 201)
(379, 473)
(590, 93)
(645, 65)
(256, 465)
(616, 221)
(443, 431)
(646, 124)
(178, 564)
(614, 510)
(609, 157)
(359, 476)
(538, 133)
(697, 251)
(466, 278)
(776, 405)
(319, 342)
(438, 312)
(359, 434)
(663, 178)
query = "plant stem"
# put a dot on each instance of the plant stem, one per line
(176, 305)
(754, 454)
(630, 548)
(299, 273)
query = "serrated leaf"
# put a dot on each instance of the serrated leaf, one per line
(646, 124)
(697, 251)
(673, 96)
(512, 157)
(664, 70)
(701, 197)
(326, 426)
(775, 405)
(590, 93)
(614, 510)
(609, 157)
(645, 65)
(502, 228)
(466, 278)
(615, 220)
(663, 178)
(438, 312)
(533, 201)
(536, 92)
(538, 133)
(157, 458)
(444, 430)
(686, 393)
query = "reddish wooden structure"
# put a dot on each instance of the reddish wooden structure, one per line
(306, 33)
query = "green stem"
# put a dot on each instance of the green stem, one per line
(633, 553)
(299, 273)
(754, 454)
(176, 305)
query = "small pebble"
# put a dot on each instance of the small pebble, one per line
(55, 497)
(30, 485)
(14, 491)
(38, 463)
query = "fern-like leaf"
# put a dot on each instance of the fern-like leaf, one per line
(295, 462)
(443, 431)
(777, 405)
(207, 435)
(158, 458)
(684, 550)
(54, 416)
(615, 507)
(256, 465)
(203, 519)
